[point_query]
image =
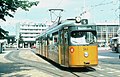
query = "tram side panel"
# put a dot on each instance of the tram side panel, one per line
(53, 49)
(37, 51)
(64, 55)
(40, 47)
(47, 48)
(64, 49)
(44, 48)
(57, 49)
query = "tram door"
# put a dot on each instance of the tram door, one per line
(64, 50)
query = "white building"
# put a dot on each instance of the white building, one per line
(27, 33)
(106, 31)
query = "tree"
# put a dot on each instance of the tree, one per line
(20, 38)
(3, 33)
(8, 6)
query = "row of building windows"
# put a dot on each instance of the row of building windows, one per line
(33, 29)
(108, 28)
(29, 36)
(35, 25)
(30, 33)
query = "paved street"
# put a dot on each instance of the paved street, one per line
(12, 66)
(24, 63)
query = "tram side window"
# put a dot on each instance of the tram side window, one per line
(114, 41)
(50, 40)
(55, 40)
(91, 38)
(65, 36)
(55, 43)
(50, 43)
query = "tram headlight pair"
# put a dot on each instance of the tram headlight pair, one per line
(86, 54)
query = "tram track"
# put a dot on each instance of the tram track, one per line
(54, 70)
(104, 70)
(14, 56)
(107, 70)
(83, 72)
(44, 67)
(108, 63)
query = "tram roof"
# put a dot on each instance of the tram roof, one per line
(62, 24)
(65, 23)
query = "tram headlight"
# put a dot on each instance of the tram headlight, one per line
(119, 45)
(77, 19)
(86, 54)
(71, 49)
(115, 45)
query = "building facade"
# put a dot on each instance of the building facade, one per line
(26, 34)
(106, 31)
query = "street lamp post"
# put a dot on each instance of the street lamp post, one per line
(17, 34)
(106, 35)
(119, 20)
(119, 12)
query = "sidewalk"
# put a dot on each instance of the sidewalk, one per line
(2, 59)
(104, 48)
(12, 69)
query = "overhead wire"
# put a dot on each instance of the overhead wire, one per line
(59, 3)
(100, 4)
(53, 12)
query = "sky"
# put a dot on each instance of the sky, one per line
(97, 11)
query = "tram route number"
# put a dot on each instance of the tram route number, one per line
(85, 49)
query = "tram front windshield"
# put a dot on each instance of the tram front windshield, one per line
(82, 37)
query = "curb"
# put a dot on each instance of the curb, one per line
(104, 48)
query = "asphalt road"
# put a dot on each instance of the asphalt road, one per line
(109, 66)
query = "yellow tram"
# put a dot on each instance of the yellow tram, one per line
(71, 43)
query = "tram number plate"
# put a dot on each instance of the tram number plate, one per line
(85, 49)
